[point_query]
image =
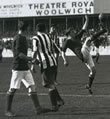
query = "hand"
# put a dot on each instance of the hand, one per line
(35, 61)
(101, 26)
(66, 63)
(101, 16)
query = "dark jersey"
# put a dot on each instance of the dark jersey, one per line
(97, 43)
(20, 45)
(74, 44)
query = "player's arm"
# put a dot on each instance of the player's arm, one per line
(81, 32)
(64, 47)
(86, 23)
(34, 43)
(64, 59)
(24, 57)
(34, 55)
(96, 35)
(62, 52)
(56, 47)
(20, 54)
(35, 49)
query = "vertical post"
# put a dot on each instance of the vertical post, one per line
(50, 22)
(34, 24)
(107, 22)
(18, 23)
(66, 22)
(3, 26)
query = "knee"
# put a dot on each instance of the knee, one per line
(93, 72)
(32, 89)
(52, 87)
(11, 91)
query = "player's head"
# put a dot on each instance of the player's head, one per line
(41, 27)
(22, 26)
(52, 29)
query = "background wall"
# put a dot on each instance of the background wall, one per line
(102, 6)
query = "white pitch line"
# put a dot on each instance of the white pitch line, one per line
(65, 95)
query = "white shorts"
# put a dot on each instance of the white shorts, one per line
(21, 76)
(87, 58)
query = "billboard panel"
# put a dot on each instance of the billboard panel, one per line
(45, 8)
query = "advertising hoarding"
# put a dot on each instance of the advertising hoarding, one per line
(46, 8)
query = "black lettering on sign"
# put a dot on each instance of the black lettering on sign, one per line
(46, 12)
(64, 5)
(80, 4)
(39, 13)
(85, 4)
(30, 6)
(67, 11)
(74, 10)
(47, 6)
(74, 4)
(88, 10)
(54, 11)
(53, 5)
(42, 6)
(91, 4)
(58, 5)
(36, 6)
(60, 12)
(80, 10)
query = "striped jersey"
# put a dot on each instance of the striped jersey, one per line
(44, 46)
(56, 41)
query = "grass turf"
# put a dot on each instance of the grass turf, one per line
(72, 79)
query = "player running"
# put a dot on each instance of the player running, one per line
(82, 51)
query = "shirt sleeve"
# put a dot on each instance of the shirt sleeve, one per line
(96, 35)
(80, 34)
(35, 43)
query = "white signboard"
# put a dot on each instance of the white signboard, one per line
(47, 8)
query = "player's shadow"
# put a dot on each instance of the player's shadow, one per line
(86, 111)
(45, 111)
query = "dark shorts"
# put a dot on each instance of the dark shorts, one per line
(49, 76)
